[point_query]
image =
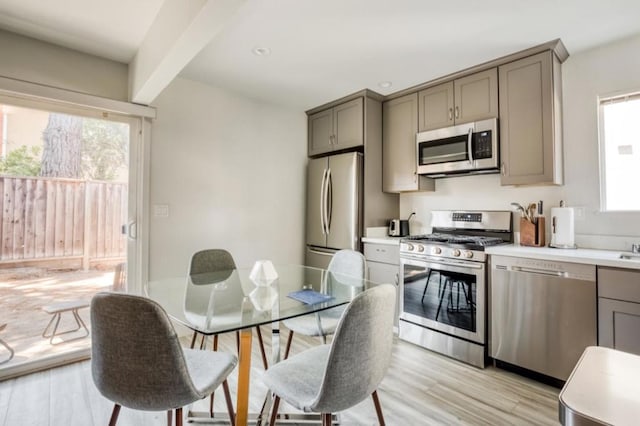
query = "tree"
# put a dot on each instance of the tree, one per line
(104, 148)
(61, 156)
(23, 161)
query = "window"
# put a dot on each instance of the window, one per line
(620, 153)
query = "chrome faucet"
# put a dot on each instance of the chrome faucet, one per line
(635, 248)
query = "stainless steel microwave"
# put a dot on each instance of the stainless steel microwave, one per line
(465, 148)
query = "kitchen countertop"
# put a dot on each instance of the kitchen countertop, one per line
(394, 241)
(378, 235)
(579, 255)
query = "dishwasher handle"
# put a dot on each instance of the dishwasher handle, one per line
(548, 272)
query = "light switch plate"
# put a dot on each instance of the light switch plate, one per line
(161, 210)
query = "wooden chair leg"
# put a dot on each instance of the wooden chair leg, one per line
(193, 339)
(179, 416)
(326, 419)
(227, 397)
(265, 364)
(238, 341)
(169, 417)
(203, 342)
(286, 350)
(376, 402)
(114, 415)
(274, 410)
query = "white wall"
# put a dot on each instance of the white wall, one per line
(586, 75)
(232, 171)
(27, 59)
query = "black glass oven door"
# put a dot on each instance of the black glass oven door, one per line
(444, 298)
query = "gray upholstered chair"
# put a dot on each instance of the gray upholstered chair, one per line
(344, 265)
(331, 378)
(216, 260)
(137, 360)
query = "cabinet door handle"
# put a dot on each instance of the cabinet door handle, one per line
(503, 169)
(457, 112)
(450, 114)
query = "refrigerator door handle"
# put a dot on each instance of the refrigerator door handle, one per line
(329, 198)
(323, 199)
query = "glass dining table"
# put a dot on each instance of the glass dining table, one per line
(237, 300)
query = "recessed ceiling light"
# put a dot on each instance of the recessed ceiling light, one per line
(385, 84)
(261, 51)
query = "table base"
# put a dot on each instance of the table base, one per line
(203, 417)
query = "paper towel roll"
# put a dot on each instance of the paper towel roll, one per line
(562, 227)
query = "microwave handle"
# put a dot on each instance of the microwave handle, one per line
(470, 145)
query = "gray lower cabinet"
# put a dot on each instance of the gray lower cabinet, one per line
(383, 266)
(530, 120)
(619, 309)
(399, 164)
(336, 128)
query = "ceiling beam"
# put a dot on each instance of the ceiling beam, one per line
(179, 32)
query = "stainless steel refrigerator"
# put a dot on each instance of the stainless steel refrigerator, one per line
(334, 206)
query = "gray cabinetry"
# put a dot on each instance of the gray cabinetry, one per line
(383, 265)
(530, 121)
(337, 128)
(470, 98)
(619, 309)
(354, 123)
(399, 128)
(436, 107)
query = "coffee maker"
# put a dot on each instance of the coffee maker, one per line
(399, 227)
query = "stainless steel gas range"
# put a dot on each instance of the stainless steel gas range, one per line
(443, 282)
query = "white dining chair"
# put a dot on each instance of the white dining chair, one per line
(349, 268)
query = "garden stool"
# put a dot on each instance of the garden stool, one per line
(56, 309)
(6, 345)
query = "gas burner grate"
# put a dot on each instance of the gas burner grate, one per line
(457, 239)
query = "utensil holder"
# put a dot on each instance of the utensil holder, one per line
(532, 234)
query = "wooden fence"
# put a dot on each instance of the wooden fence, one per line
(51, 218)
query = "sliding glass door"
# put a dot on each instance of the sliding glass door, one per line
(68, 225)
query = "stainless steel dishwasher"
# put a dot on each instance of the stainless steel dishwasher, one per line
(543, 313)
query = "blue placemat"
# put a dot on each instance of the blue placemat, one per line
(310, 297)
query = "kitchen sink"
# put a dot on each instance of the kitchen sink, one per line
(635, 257)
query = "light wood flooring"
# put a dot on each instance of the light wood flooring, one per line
(421, 388)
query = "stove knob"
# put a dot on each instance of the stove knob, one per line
(410, 247)
(437, 250)
(456, 252)
(468, 254)
(420, 249)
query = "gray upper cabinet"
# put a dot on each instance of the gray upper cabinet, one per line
(337, 128)
(530, 121)
(399, 128)
(470, 98)
(436, 107)
(320, 132)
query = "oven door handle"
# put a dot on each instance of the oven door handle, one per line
(470, 265)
